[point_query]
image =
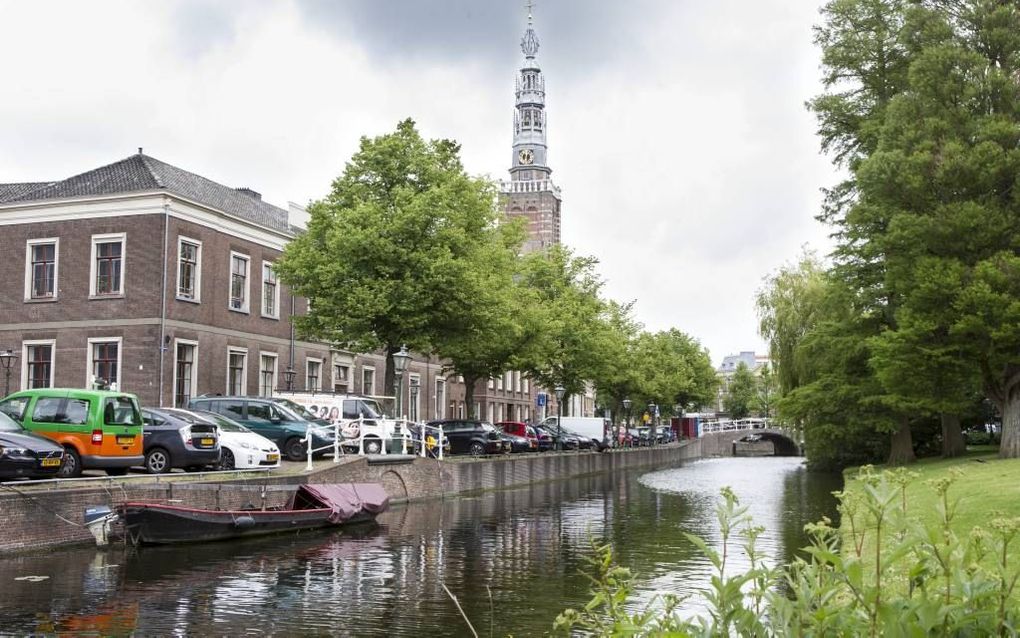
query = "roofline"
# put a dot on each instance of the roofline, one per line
(43, 203)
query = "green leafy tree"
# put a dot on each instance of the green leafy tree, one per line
(392, 252)
(498, 330)
(577, 337)
(740, 394)
(765, 399)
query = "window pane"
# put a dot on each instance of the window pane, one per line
(185, 365)
(40, 365)
(238, 282)
(104, 362)
(187, 279)
(236, 374)
(43, 270)
(120, 411)
(108, 267)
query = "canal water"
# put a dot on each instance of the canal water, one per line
(512, 558)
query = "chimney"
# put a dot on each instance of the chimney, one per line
(249, 192)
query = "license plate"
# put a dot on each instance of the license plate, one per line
(125, 440)
(50, 462)
(208, 441)
(273, 457)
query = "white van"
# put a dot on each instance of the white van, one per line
(595, 428)
(351, 412)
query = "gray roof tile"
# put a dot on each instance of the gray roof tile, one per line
(139, 173)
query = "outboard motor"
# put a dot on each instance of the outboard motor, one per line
(99, 520)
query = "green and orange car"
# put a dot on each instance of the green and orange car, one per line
(97, 428)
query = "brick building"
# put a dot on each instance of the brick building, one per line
(153, 279)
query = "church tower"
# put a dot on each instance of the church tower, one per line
(530, 193)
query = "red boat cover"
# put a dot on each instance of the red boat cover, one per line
(347, 500)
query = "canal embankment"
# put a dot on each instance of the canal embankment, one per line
(39, 517)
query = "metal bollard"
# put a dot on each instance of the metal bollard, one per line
(440, 441)
(336, 441)
(308, 438)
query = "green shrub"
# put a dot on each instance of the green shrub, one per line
(895, 578)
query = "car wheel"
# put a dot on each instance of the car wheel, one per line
(373, 446)
(295, 449)
(157, 461)
(71, 467)
(226, 460)
(477, 449)
(116, 471)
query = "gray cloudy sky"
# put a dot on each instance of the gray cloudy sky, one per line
(677, 130)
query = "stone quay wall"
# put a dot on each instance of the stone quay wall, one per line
(38, 519)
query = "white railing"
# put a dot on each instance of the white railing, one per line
(428, 439)
(312, 430)
(712, 426)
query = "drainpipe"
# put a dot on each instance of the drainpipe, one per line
(162, 297)
(292, 311)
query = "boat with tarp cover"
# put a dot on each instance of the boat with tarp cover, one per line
(310, 507)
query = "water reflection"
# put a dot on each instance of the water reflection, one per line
(524, 548)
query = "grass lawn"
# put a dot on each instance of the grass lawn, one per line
(989, 488)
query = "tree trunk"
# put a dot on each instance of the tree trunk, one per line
(390, 378)
(952, 437)
(901, 449)
(1009, 448)
(469, 397)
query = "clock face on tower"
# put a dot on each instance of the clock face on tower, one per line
(526, 156)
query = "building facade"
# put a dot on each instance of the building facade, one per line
(147, 278)
(754, 362)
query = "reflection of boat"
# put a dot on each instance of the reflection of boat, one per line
(311, 507)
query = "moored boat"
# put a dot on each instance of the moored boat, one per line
(310, 507)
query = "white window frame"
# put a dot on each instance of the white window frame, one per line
(308, 361)
(89, 361)
(28, 267)
(347, 367)
(244, 370)
(24, 359)
(246, 308)
(414, 409)
(371, 391)
(262, 293)
(194, 370)
(276, 370)
(440, 398)
(104, 239)
(181, 239)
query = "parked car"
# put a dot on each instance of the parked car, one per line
(545, 442)
(416, 436)
(26, 455)
(520, 429)
(560, 439)
(520, 443)
(583, 442)
(595, 430)
(240, 448)
(97, 428)
(473, 437)
(174, 442)
(276, 422)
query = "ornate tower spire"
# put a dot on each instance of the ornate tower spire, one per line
(530, 193)
(529, 160)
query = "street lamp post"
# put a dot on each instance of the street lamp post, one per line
(400, 361)
(626, 408)
(652, 412)
(288, 377)
(560, 391)
(7, 359)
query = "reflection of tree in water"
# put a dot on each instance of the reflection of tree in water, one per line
(529, 545)
(807, 497)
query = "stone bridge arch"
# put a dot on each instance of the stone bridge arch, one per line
(725, 443)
